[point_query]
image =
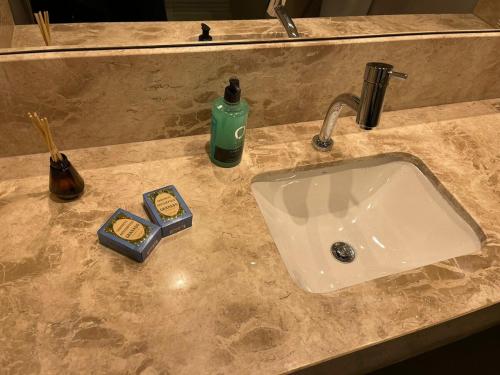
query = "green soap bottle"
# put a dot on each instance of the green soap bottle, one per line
(229, 120)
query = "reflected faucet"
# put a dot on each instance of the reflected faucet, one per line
(368, 108)
(276, 9)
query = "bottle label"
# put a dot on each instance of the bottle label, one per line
(239, 133)
(228, 156)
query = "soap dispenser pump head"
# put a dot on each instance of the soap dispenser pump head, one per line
(232, 93)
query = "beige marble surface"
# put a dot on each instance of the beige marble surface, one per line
(217, 298)
(97, 98)
(118, 34)
(6, 25)
(489, 11)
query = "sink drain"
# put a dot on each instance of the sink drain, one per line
(343, 252)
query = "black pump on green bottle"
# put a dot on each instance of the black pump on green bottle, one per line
(232, 93)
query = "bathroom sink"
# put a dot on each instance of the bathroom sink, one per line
(361, 219)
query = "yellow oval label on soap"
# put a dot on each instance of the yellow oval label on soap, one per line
(167, 204)
(129, 229)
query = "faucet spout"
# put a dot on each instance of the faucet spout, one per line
(276, 8)
(368, 107)
(323, 141)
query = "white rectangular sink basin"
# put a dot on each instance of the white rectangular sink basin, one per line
(389, 209)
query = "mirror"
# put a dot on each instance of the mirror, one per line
(112, 23)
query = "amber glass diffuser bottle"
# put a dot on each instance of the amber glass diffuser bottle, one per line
(64, 181)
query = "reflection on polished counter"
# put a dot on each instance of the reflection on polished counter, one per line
(218, 298)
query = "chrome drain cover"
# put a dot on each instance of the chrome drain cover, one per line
(343, 252)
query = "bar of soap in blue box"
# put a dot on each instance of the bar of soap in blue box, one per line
(130, 235)
(167, 209)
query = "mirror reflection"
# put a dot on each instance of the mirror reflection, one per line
(28, 24)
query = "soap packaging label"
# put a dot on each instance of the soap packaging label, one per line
(167, 209)
(130, 235)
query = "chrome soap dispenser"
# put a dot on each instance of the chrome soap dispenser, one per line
(229, 120)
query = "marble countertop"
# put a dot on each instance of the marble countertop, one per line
(217, 298)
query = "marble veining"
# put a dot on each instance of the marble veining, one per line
(217, 298)
(98, 98)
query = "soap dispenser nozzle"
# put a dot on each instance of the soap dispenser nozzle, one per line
(232, 92)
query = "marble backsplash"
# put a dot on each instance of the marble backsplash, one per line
(96, 98)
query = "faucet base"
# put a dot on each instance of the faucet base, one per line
(321, 145)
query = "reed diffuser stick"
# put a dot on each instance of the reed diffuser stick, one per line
(47, 23)
(35, 121)
(50, 140)
(37, 124)
(42, 19)
(45, 27)
(39, 23)
(42, 124)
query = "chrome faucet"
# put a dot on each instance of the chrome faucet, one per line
(368, 108)
(276, 9)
